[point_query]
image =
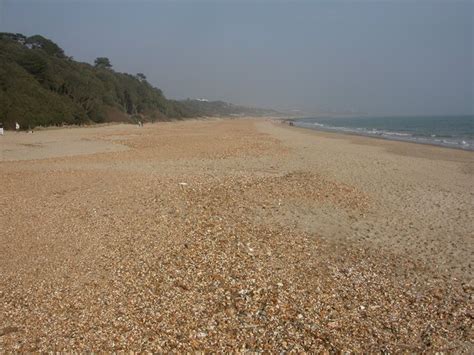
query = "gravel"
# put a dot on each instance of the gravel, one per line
(177, 245)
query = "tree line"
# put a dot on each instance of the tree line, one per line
(41, 86)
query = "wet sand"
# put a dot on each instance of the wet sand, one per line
(233, 234)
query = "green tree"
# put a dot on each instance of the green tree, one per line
(51, 48)
(102, 62)
(33, 63)
(141, 77)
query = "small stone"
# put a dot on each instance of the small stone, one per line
(201, 335)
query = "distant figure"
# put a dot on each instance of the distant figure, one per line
(291, 123)
(17, 126)
(1, 129)
(140, 124)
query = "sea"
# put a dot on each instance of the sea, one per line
(447, 131)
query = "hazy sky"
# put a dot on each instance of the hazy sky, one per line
(380, 57)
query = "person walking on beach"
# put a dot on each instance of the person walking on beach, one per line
(1, 129)
(17, 126)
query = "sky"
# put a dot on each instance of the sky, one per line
(385, 57)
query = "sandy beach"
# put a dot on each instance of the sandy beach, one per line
(226, 235)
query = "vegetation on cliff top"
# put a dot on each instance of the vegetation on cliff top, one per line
(41, 86)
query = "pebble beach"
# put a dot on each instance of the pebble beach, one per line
(233, 235)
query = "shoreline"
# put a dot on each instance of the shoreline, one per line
(375, 136)
(426, 151)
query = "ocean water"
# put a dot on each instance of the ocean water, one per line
(448, 131)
